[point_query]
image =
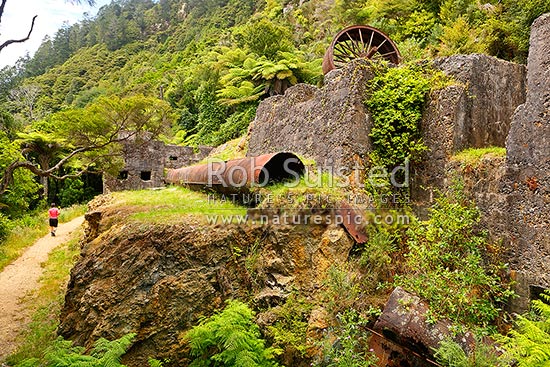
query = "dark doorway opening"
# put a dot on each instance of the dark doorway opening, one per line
(145, 175)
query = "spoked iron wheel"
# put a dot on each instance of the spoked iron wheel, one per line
(359, 41)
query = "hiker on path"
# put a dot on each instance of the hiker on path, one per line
(53, 215)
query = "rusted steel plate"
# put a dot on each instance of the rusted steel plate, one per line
(405, 321)
(353, 222)
(239, 175)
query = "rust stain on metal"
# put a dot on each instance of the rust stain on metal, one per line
(238, 175)
(353, 222)
(359, 41)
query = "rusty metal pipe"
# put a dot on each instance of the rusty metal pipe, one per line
(238, 175)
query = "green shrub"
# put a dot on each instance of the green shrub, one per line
(235, 126)
(74, 192)
(376, 258)
(445, 264)
(105, 353)
(346, 345)
(396, 98)
(230, 338)
(289, 331)
(341, 288)
(4, 227)
(451, 354)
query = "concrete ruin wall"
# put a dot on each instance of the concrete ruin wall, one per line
(145, 162)
(474, 112)
(329, 124)
(519, 212)
(513, 192)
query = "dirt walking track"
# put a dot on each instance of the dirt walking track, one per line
(21, 277)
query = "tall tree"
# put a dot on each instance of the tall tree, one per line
(24, 99)
(89, 137)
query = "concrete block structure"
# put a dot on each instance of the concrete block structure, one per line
(145, 162)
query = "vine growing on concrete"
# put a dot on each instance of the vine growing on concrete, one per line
(396, 98)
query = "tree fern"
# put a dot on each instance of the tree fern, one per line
(104, 354)
(529, 343)
(229, 338)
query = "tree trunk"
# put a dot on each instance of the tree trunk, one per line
(44, 163)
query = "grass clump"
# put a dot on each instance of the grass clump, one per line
(451, 354)
(314, 190)
(170, 204)
(472, 157)
(233, 149)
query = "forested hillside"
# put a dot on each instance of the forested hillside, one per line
(205, 65)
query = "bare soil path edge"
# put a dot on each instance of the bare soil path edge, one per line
(21, 277)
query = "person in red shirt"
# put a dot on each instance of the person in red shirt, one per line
(53, 214)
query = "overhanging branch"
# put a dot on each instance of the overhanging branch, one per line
(9, 42)
(2, 9)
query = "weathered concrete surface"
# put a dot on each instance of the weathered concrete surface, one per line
(473, 113)
(493, 89)
(158, 280)
(513, 194)
(526, 185)
(150, 157)
(329, 124)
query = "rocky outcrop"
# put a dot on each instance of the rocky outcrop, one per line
(329, 124)
(158, 280)
(475, 112)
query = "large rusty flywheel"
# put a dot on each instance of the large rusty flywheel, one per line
(359, 41)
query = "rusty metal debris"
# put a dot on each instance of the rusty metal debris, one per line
(359, 41)
(238, 175)
(353, 222)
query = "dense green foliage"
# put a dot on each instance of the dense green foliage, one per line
(396, 99)
(451, 354)
(105, 353)
(446, 264)
(349, 349)
(445, 27)
(229, 338)
(529, 342)
(289, 331)
(526, 345)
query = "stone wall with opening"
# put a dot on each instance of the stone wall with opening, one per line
(145, 162)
